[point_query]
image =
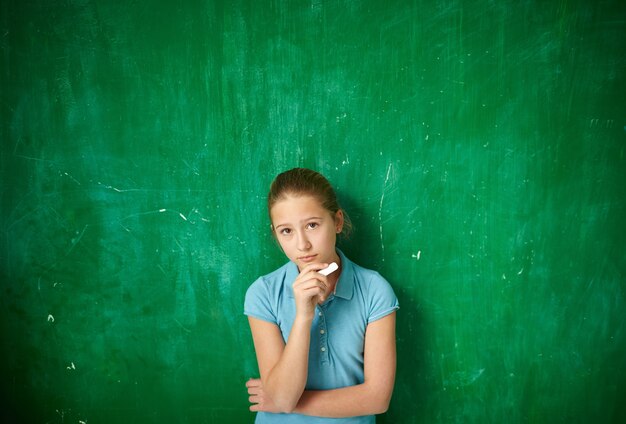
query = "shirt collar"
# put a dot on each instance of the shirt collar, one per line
(345, 284)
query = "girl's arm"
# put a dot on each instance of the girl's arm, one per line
(284, 367)
(371, 397)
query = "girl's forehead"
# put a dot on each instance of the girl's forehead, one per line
(297, 206)
(297, 201)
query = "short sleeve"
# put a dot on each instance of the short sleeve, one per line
(382, 299)
(258, 303)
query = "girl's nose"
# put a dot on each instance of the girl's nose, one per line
(303, 243)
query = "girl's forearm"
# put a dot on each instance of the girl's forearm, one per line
(362, 399)
(285, 382)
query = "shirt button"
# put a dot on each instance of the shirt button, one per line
(319, 313)
(322, 331)
(323, 349)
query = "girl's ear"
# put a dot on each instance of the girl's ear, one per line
(339, 221)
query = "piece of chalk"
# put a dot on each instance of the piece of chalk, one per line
(330, 269)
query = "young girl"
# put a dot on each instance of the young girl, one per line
(325, 345)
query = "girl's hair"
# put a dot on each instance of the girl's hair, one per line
(302, 181)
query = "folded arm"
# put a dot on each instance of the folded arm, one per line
(370, 397)
(283, 367)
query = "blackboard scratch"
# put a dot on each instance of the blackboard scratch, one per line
(179, 245)
(462, 378)
(412, 211)
(182, 326)
(32, 158)
(76, 240)
(120, 190)
(17, 221)
(72, 178)
(380, 211)
(475, 376)
(192, 168)
(113, 188)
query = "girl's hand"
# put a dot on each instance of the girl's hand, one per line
(309, 289)
(259, 400)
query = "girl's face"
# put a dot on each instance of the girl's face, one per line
(305, 230)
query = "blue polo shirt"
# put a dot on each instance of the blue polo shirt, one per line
(337, 332)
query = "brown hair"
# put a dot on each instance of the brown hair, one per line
(303, 181)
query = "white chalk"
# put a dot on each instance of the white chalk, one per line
(330, 269)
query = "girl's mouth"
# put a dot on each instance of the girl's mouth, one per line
(307, 259)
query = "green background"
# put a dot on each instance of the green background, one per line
(477, 146)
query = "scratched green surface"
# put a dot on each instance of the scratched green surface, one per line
(478, 147)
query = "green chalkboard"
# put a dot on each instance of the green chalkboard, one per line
(477, 146)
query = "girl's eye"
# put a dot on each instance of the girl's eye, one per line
(312, 225)
(285, 231)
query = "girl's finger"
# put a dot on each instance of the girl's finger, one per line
(253, 382)
(317, 279)
(310, 291)
(313, 267)
(311, 284)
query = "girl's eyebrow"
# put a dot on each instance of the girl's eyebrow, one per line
(301, 221)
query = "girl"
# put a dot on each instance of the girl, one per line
(325, 345)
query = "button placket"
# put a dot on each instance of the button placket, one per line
(323, 335)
